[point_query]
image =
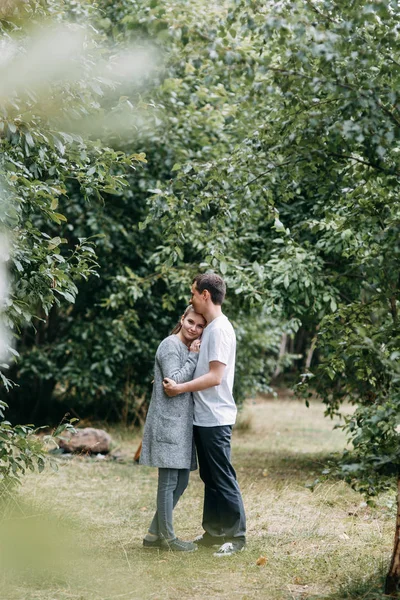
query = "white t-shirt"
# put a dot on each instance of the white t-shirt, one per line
(215, 405)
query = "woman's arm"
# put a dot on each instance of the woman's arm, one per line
(170, 362)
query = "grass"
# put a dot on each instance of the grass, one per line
(86, 522)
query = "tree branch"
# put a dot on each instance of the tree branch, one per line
(339, 84)
(360, 37)
(364, 162)
(393, 308)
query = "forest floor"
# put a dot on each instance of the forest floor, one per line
(76, 534)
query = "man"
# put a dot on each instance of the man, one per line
(224, 519)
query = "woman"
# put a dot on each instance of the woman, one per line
(168, 432)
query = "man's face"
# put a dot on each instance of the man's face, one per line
(196, 299)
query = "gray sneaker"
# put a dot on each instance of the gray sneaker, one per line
(151, 544)
(178, 545)
(230, 548)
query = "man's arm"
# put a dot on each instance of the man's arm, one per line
(210, 379)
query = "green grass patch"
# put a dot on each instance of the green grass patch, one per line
(77, 534)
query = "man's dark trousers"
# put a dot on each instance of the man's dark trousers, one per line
(223, 512)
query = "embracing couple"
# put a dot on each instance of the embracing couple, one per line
(192, 408)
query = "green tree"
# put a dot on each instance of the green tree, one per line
(95, 358)
(49, 88)
(302, 213)
(274, 161)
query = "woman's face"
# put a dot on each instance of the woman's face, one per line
(192, 325)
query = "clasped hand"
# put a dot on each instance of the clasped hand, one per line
(170, 387)
(195, 346)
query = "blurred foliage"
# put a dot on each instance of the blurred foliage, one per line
(40, 548)
(22, 449)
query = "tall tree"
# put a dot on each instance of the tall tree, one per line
(303, 212)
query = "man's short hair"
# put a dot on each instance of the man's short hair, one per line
(214, 284)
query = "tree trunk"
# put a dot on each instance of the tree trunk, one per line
(310, 352)
(393, 577)
(282, 352)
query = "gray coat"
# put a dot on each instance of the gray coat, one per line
(168, 431)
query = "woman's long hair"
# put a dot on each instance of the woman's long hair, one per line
(178, 326)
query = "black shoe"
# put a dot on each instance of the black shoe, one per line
(178, 545)
(152, 544)
(230, 548)
(206, 540)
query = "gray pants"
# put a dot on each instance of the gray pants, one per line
(171, 485)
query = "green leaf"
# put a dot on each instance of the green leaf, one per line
(223, 267)
(29, 139)
(58, 217)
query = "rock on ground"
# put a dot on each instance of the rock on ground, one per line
(88, 440)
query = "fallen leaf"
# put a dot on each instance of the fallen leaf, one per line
(261, 561)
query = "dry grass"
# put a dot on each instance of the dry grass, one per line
(325, 544)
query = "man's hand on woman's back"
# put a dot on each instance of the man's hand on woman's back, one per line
(170, 387)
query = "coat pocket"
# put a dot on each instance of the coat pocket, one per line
(168, 430)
